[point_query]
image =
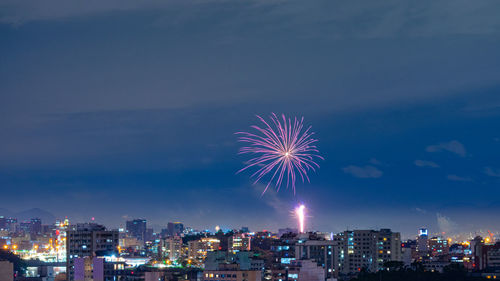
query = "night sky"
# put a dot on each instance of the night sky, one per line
(127, 109)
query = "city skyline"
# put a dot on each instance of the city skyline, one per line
(122, 111)
(50, 220)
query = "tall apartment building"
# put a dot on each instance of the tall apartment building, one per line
(423, 242)
(485, 256)
(239, 242)
(438, 246)
(197, 249)
(36, 226)
(313, 247)
(137, 229)
(87, 240)
(171, 247)
(367, 249)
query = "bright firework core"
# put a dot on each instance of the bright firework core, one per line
(300, 212)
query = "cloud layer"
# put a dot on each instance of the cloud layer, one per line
(423, 163)
(459, 178)
(452, 146)
(492, 172)
(363, 171)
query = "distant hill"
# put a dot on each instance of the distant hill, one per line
(45, 216)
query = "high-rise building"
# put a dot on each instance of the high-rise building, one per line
(88, 240)
(367, 249)
(174, 228)
(171, 247)
(11, 224)
(485, 255)
(197, 249)
(137, 229)
(423, 242)
(3, 223)
(36, 226)
(239, 242)
(317, 248)
(149, 234)
(438, 246)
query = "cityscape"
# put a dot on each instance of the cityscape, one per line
(64, 250)
(249, 140)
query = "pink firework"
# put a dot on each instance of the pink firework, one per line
(282, 150)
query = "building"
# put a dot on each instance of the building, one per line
(88, 240)
(197, 249)
(11, 225)
(287, 230)
(137, 229)
(36, 226)
(172, 274)
(488, 257)
(174, 229)
(435, 265)
(423, 242)
(366, 249)
(239, 242)
(313, 247)
(149, 234)
(231, 272)
(46, 270)
(438, 246)
(3, 223)
(171, 247)
(245, 260)
(408, 252)
(6, 271)
(298, 270)
(98, 269)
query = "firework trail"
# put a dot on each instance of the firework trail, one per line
(282, 150)
(300, 213)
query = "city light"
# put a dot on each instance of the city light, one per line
(299, 211)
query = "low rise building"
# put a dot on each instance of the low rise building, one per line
(6, 271)
(231, 272)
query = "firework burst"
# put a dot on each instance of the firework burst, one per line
(280, 149)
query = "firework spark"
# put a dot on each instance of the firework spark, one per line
(282, 150)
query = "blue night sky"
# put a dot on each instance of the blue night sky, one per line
(126, 109)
